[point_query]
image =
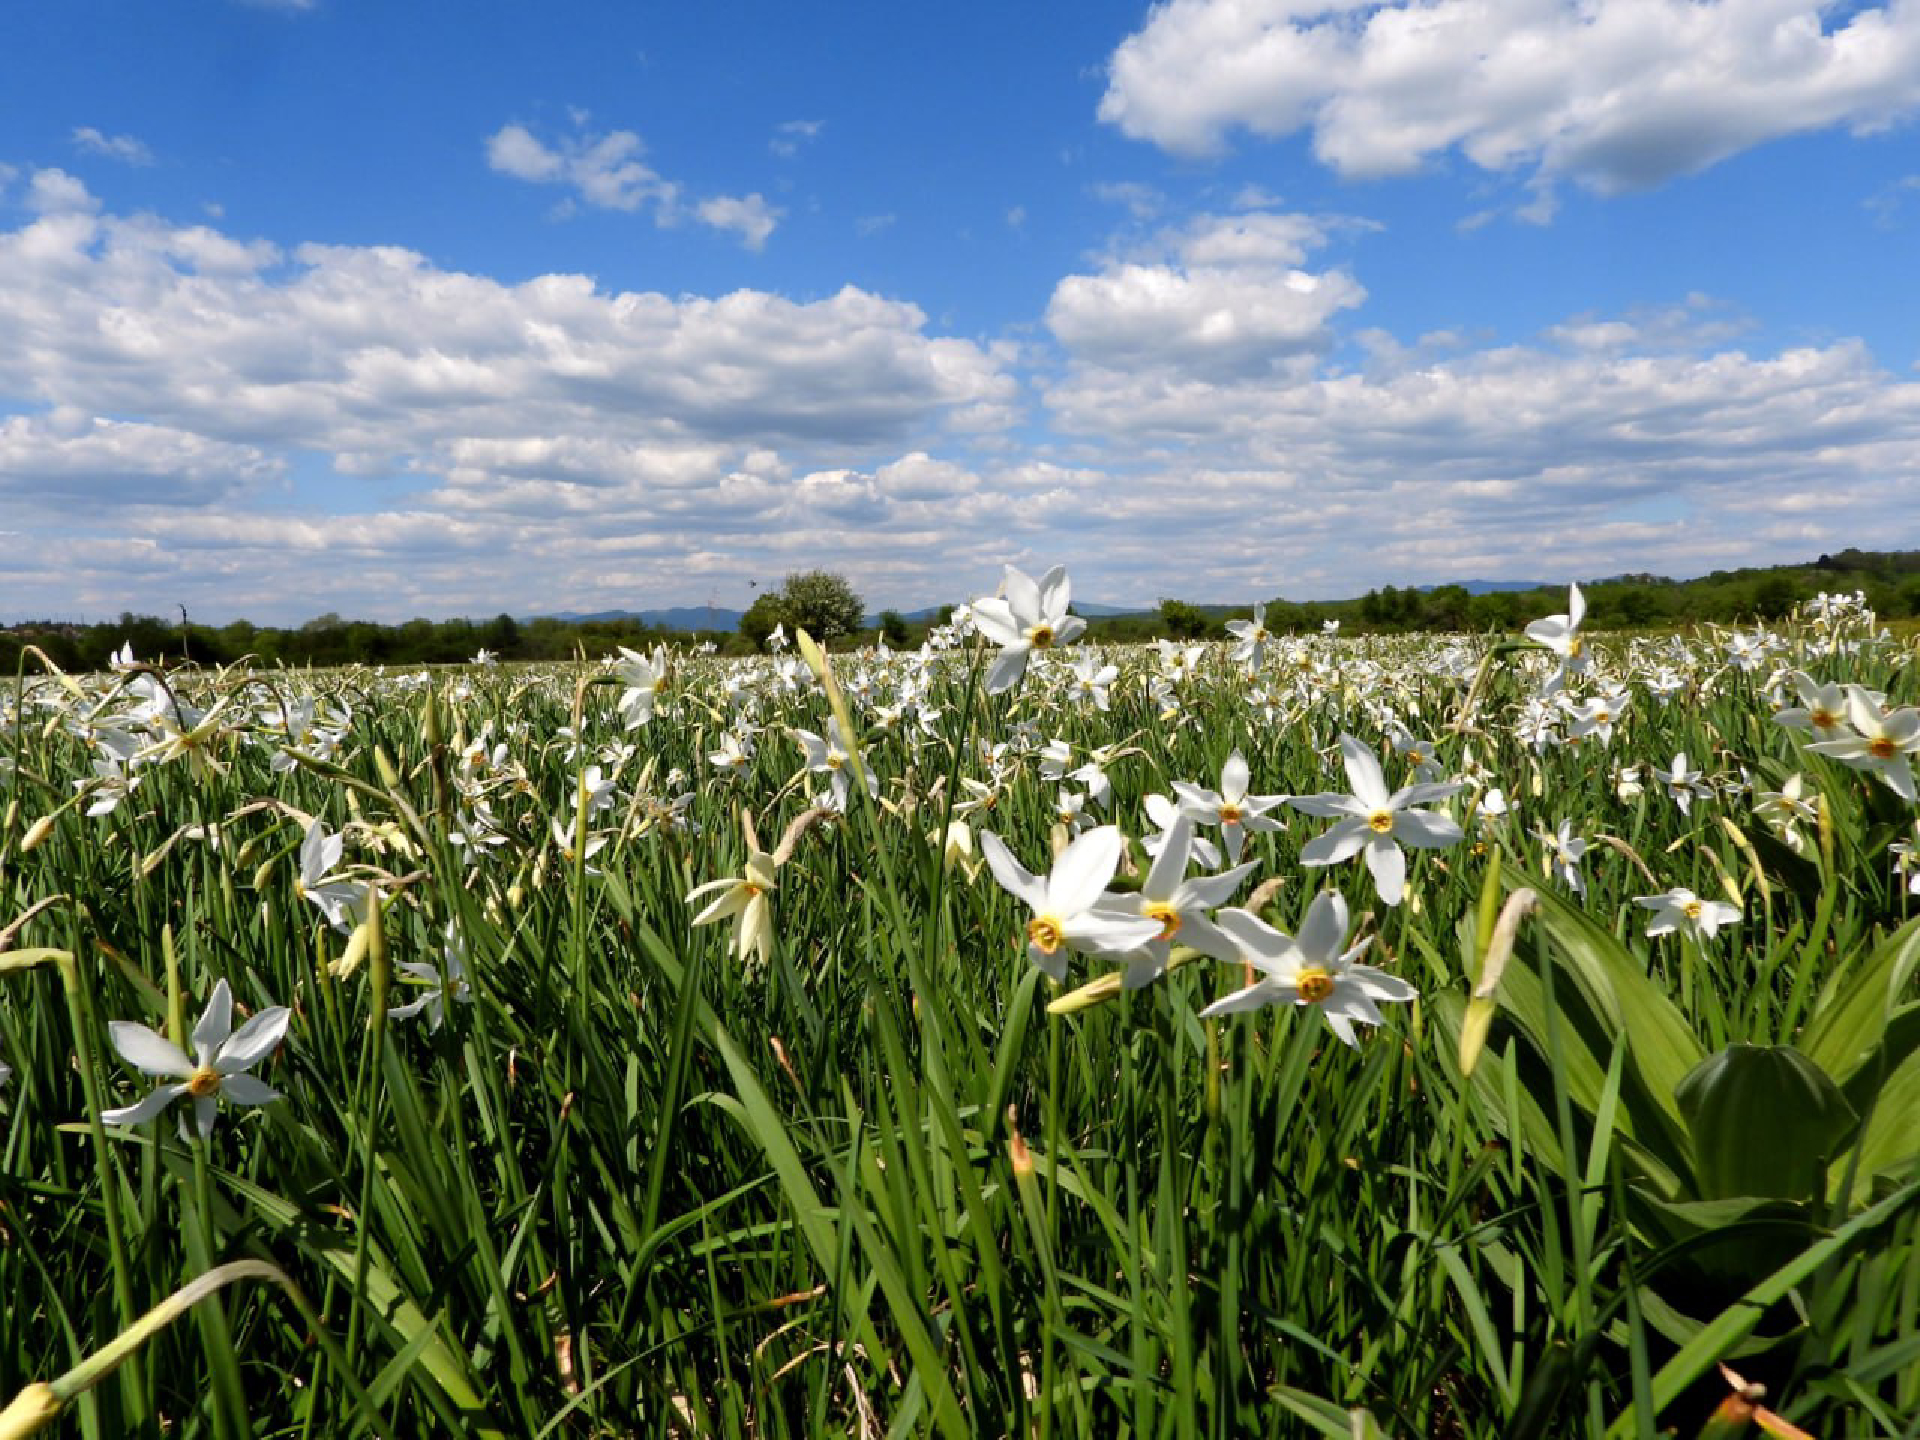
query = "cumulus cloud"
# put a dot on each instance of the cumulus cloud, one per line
(748, 216)
(124, 148)
(1618, 94)
(1224, 295)
(168, 377)
(607, 172)
(1523, 461)
(172, 398)
(65, 456)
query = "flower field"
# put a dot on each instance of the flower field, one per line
(1489, 1036)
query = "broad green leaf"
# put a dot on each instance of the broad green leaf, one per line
(1661, 1046)
(1763, 1120)
(1889, 1143)
(1853, 1010)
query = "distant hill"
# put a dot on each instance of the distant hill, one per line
(1497, 587)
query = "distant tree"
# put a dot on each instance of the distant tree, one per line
(1775, 597)
(1184, 621)
(501, 635)
(893, 628)
(1446, 607)
(821, 603)
(761, 617)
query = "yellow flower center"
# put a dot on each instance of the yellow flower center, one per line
(1823, 719)
(1694, 909)
(1314, 984)
(1230, 814)
(1045, 934)
(1603, 717)
(1881, 748)
(204, 1083)
(1040, 637)
(1168, 917)
(1381, 822)
(1576, 647)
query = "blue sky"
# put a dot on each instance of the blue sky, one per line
(447, 309)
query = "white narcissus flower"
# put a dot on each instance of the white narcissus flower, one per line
(1178, 905)
(1064, 903)
(1786, 809)
(1565, 850)
(832, 756)
(1906, 860)
(1822, 708)
(1884, 742)
(743, 900)
(1561, 635)
(342, 901)
(1231, 807)
(1315, 968)
(1681, 909)
(1025, 617)
(447, 980)
(1683, 783)
(1250, 638)
(222, 1054)
(1377, 823)
(643, 676)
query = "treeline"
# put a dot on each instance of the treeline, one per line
(1889, 579)
(330, 640)
(1890, 582)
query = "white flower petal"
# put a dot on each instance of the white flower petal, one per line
(145, 1109)
(253, 1041)
(1363, 773)
(1084, 870)
(1014, 877)
(146, 1050)
(216, 1023)
(1388, 862)
(1324, 930)
(246, 1090)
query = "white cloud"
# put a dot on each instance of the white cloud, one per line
(790, 135)
(1619, 94)
(1224, 296)
(604, 171)
(607, 172)
(62, 457)
(551, 420)
(167, 394)
(1143, 202)
(748, 216)
(124, 148)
